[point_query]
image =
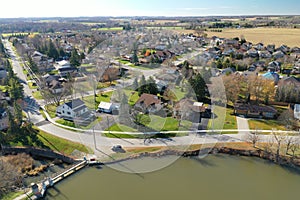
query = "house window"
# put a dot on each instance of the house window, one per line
(68, 113)
(63, 111)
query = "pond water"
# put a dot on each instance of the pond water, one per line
(214, 177)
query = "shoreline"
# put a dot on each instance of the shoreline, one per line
(282, 160)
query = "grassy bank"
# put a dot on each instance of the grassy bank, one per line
(59, 144)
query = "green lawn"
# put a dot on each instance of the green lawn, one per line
(219, 122)
(90, 100)
(37, 95)
(3, 88)
(158, 123)
(66, 123)
(60, 144)
(31, 86)
(178, 93)
(73, 125)
(51, 109)
(121, 128)
(133, 96)
(12, 195)
(264, 124)
(142, 67)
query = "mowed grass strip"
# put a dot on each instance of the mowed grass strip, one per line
(59, 144)
(263, 124)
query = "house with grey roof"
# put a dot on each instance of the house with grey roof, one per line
(75, 110)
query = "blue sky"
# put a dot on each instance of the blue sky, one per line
(68, 8)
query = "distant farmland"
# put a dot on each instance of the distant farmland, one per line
(277, 36)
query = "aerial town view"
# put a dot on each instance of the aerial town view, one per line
(150, 100)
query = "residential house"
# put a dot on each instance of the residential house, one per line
(264, 54)
(75, 110)
(246, 46)
(111, 73)
(259, 46)
(42, 60)
(283, 48)
(271, 48)
(297, 111)
(295, 50)
(189, 109)
(278, 54)
(231, 42)
(228, 71)
(148, 103)
(56, 87)
(62, 64)
(168, 75)
(3, 73)
(3, 119)
(255, 111)
(253, 53)
(110, 108)
(259, 65)
(228, 51)
(161, 85)
(274, 66)
(64, 72)
(289, 81)
(271, 76)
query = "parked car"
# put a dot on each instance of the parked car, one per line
(118, 148)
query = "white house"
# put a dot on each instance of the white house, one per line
(107, 107)
(62, 64)
(72, 110)
(297, 111)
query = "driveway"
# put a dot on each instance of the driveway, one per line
(243, 126)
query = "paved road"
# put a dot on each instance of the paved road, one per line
(30, 105)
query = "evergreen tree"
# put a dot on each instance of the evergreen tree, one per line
(124, 110)
(33, 66)
(18, 113)
(135, 58)
(75, 58)
(199, 86)
(52, 51)
(151, 86)
(15, 89)
(61, 52)
(142, 86)
(135, 84)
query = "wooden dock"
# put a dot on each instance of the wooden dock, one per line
(39, 190)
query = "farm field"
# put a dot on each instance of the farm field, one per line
(277, 36)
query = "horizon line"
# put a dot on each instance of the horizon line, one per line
(149, 16)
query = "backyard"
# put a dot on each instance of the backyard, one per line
(221, 122)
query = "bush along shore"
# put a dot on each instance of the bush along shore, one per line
(283, 160)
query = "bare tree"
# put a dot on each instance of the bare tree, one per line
(279, 139)
(287, 119)
(9, 177)
(253, 138)
(294, 147)
(51, 96)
